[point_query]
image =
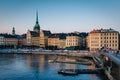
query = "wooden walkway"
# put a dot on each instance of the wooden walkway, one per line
(83, 71)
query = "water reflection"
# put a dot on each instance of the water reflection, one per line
(37, 67)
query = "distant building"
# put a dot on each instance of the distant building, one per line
(103, 38)
(44, 34)
(73, 40)
(33, 38)
(8, 40)
(57, 41)
(22, 42)
(83, 42)
(62, 40)
(54, 41)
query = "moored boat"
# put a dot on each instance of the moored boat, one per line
(66, 72)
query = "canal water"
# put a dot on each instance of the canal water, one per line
(37, 67)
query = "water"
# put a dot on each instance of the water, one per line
(37, 67)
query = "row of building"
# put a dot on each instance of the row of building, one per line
(94, 40)
(45, 39)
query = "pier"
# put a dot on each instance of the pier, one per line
(80, 71)
(70, 62)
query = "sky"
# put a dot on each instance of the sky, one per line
(59, 15)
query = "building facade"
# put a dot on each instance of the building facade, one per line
(44, 34)
(33, 38)
(73, 40)
(103, 38)
(54, 41)
(8, 40)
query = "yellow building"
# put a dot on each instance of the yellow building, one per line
(57, 40)
(53, 40)
(44, 34)
(103, 38)
(73, 40)
(62, 40)
(62, 44)
(8, 40)
(33, 38)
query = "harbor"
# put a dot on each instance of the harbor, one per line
(95, 63)
(34, 67)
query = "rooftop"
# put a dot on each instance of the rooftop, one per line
(102, 30)
(34, 34)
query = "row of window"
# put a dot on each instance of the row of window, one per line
(109, 41)
(69, 43)
(104, 37)
(111, 45)
(109, 34)
(94, 44)
(72, 40)
(108, 37)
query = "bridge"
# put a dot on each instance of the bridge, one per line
(111, 64)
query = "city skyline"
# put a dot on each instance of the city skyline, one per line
(59, 15)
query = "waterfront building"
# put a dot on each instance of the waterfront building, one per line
(44, 34)
(87, 42)
(73, 40)
(53, 41)
(8, 40)
(103, 38)
(62, 41)
(57, 41)
(83, 42)
(22, 42)
(33, 38)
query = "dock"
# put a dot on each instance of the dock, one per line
(70, 62)
(80, 71)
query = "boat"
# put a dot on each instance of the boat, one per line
(67, 72)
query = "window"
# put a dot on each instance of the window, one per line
(112, 44)
(110, 41)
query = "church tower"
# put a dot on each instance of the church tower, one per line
(13, 31)
(37, 26)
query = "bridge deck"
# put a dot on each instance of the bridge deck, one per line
(115, 58)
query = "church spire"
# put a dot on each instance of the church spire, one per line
(36, 17)
(37, 26)
(13, 31)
